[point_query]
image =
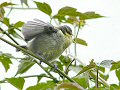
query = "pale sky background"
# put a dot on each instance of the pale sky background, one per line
(102, 35)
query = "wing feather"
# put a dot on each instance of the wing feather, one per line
(33, 28)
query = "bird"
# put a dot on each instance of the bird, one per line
(45, 40)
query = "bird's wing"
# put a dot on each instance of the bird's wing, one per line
(35, 27)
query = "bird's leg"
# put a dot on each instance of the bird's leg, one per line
(56, 68)
(39, 55)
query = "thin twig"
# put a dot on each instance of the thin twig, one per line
(101, 79)
(97, 79)
(67, 68)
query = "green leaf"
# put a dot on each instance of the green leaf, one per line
(89, 15)
(118, 73)
(114, 87)
(44, 7)
(101, 69)
(19, 24)
(17, 82)
(6, 21)
(43, 86)
(82, 82)
(67, 11)
(25, 65)
(115, 65)
(5, 60)
(65, 60)
(60, 18)
(24, 2)
(80, 41)
(4, 4)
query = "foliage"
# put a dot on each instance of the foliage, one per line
(84, 76)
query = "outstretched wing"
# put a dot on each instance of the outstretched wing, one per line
(35, 27)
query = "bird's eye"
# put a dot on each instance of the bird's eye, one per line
(50, 28)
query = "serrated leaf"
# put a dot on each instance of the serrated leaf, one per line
(43, 86)
(5, 60)
(79, 41)
(4, 4)
(18, 24)
(24, 66)
(44, 7)
(24, 2)
(6, 21)
(118, 73)
(115, 65)
(17, 82)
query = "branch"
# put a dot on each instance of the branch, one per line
(67, 68)
(33, 55)
(4, 32)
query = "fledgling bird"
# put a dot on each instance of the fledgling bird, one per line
(45, 40)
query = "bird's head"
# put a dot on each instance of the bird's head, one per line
(66, 30)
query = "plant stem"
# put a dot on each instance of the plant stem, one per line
(97, 78)
(67, 68)
(103, 81)
(33, 55)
